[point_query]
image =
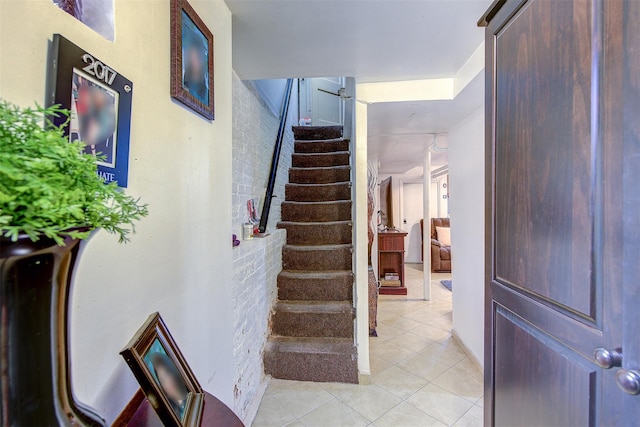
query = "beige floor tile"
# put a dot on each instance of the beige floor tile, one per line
(385, 331)
(369, 401)
(423, 366)
(441, 322)
(399, 382)
(406, 415)
(440, 404)
(389, 351)
(462, 383)
(403, 324)
(273, 412)
(334, 414)
(431, 332)
(378, 364)
(424, 315)
(411, 341)
(447, 355)
(301, 401)
(295, 423)
(480, 402)
(469, 365)
(472, 418)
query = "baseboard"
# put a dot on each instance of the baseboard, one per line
(255, 405)
(469, 353)
(364, 379)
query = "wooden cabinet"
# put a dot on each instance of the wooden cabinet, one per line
(391, 260)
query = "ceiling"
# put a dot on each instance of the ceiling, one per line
(399, 132)
(373, 41)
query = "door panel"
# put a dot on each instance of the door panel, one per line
(545, 215)
(526, 376)
(327, 106)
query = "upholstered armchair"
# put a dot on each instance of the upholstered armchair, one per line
(440, 248)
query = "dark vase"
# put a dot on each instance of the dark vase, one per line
(35, 370)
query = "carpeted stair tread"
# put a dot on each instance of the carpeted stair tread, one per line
(321, 345)
(318, 192)
(318, 233)
(320, 257)
(326, 274)
(337, 210)
(323, 175)
(312, 359)
(315, 160)
(316, 132)
(321, 146)
(333, 319)
(314, 307)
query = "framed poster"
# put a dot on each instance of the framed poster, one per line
(99, 99)
(191, 60)
(164, 375)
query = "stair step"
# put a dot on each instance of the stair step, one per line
(315, 286)
(316, 132)
(329, 319)
(320, 175)
(317, 192)
(311, 359)
(320, 160)
(316, 211)
(316, 258)
(321, 146)
(318, 233)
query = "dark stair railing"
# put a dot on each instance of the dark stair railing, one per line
(276, 158)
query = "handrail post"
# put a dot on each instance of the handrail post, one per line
(266, 207)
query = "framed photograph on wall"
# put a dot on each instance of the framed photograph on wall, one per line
(99, 99)
(164, 375)
(191, 60)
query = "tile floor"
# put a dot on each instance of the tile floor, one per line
(420, 376)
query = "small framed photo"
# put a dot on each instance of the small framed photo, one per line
(191, 60)
(164, 375)
(99, 99)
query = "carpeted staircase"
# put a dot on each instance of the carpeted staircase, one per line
(313, 324)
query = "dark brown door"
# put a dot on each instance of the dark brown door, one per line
(563, 228)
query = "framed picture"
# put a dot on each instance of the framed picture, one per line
(191, 59)
(99, 99)
(164, 375)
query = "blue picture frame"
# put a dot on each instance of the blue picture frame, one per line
(99, 99)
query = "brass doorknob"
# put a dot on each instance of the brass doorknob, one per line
(608, 358)
(628, 381)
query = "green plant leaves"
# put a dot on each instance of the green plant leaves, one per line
(49, 186)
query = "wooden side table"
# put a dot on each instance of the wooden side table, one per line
(391, 260)
(139, 413)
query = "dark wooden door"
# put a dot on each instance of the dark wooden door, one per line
(563, 160)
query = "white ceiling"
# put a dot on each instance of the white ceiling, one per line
(399, 132)
(373, 41)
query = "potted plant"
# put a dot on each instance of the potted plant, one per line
(51, 199)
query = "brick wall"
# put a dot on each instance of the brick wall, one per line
(256, 263)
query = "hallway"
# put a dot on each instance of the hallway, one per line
(420, 376)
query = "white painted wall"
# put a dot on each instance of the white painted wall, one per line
(413, 211)
(359, 179)
(466, 177)
(179, 262)
(256, 262)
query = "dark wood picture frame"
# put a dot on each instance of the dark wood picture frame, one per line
(69, 67)
(153, 336)
(186, 26)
